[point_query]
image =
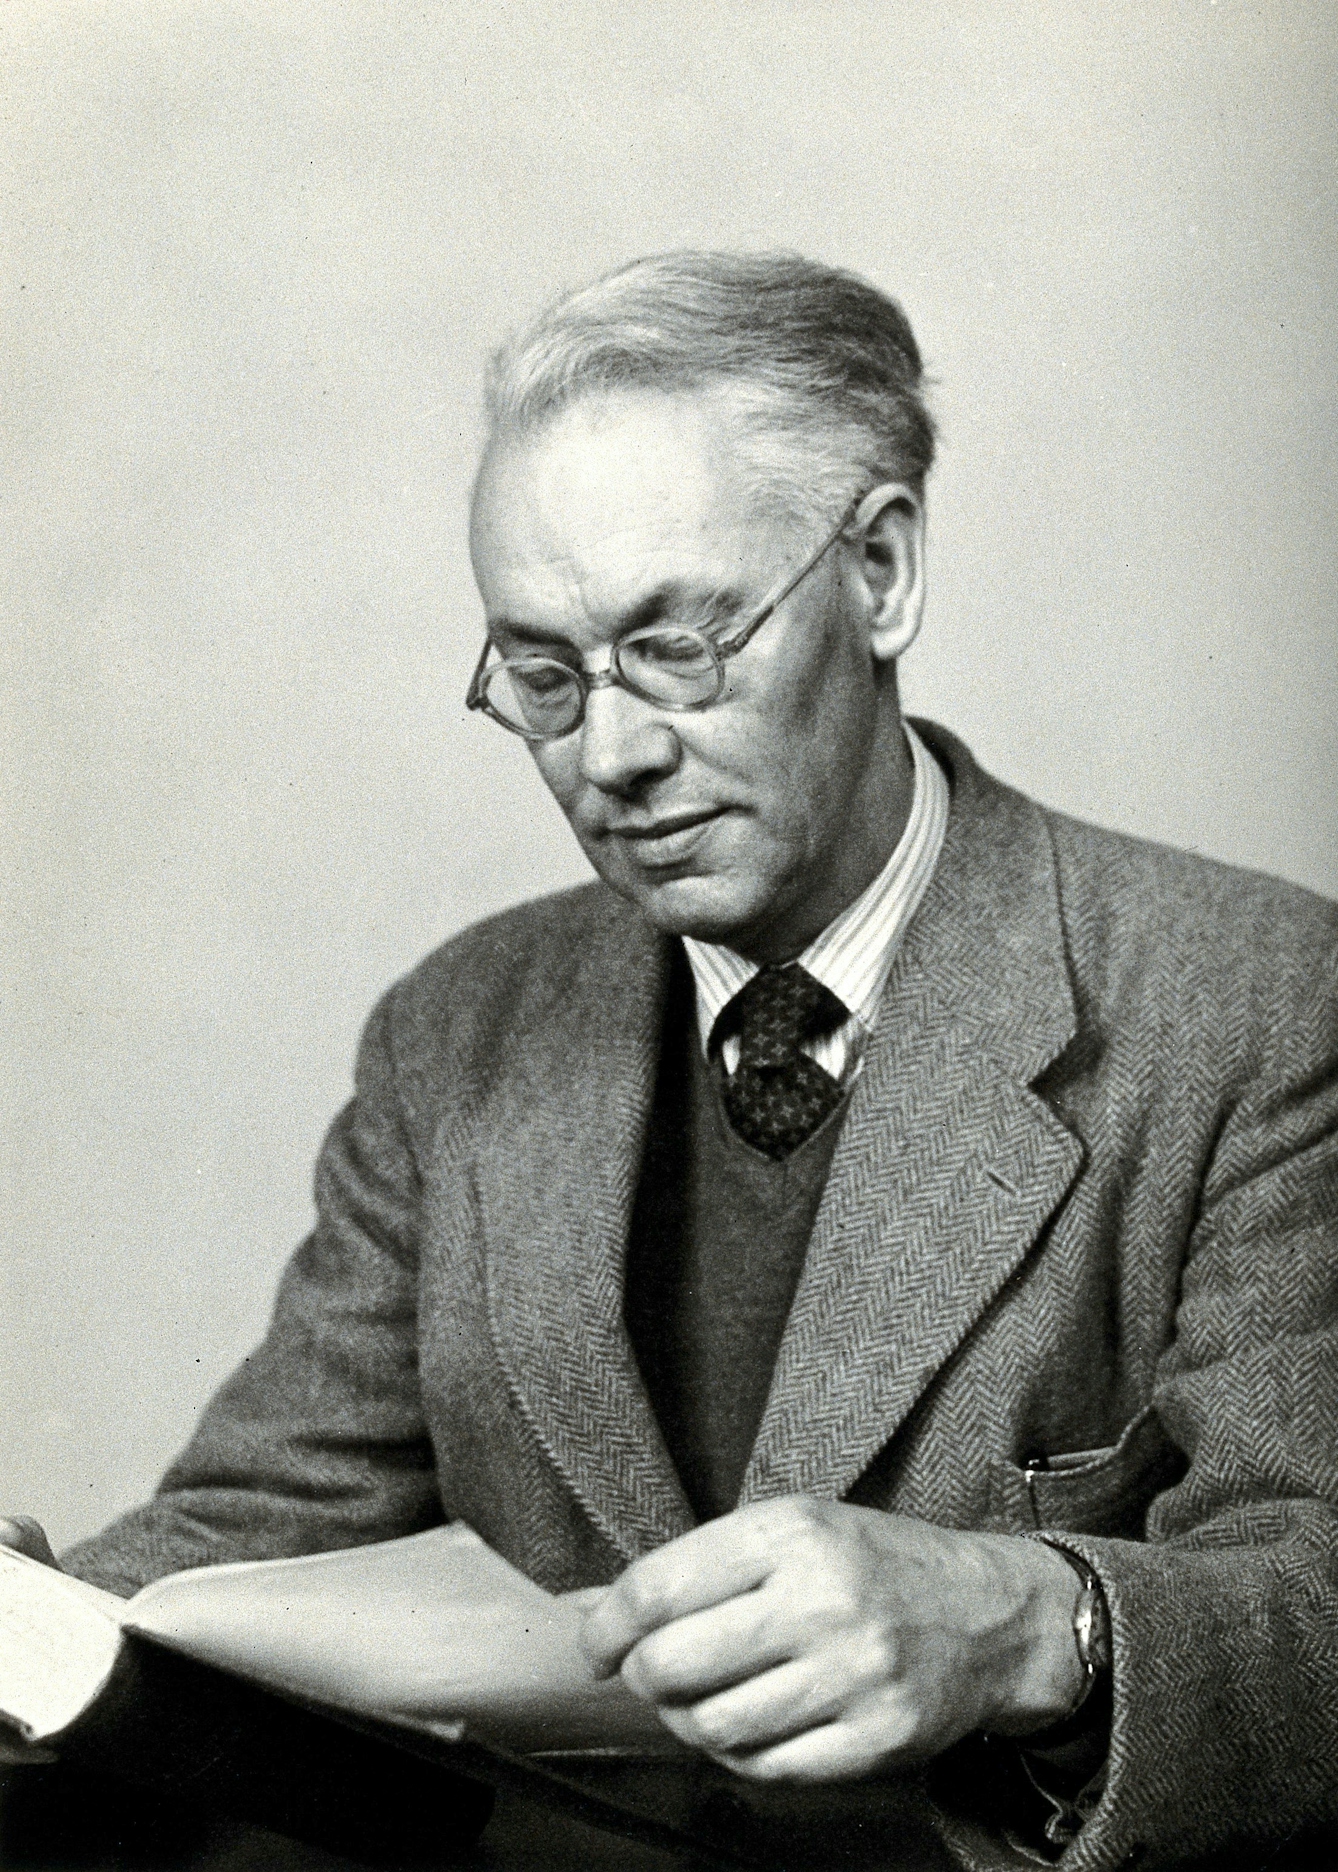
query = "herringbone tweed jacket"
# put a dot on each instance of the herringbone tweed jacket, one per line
(1085, 1203)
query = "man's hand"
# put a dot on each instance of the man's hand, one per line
(800, 1640)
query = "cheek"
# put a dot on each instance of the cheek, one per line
(833, 718)
(796, 737)
(559, 768)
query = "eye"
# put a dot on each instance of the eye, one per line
(670, 665)
(541, 677)
(668, 647)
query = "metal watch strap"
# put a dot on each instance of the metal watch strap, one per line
(1091, 1623)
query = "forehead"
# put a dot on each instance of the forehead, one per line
(614, 492)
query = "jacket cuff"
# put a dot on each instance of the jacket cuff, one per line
(1201, 1635)
(1068, 1765)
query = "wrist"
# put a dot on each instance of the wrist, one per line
(1048, 1680)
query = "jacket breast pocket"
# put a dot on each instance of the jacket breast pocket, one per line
(1097, 1491)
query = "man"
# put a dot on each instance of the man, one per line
(883, 1226)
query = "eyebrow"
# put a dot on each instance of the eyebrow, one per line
(719, 601)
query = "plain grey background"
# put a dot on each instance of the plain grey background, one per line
(255, 256)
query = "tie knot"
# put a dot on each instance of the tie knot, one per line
(776, 1011)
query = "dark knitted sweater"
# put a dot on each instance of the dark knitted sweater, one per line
(718, 1238)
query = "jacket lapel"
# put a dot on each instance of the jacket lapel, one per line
(558, 1155)
(948, 1166)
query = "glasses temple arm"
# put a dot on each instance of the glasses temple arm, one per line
(741, 638)
(474, 693)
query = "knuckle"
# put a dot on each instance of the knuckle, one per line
(762, 1767)
(880, 1656)
(634, 1674)
(678, 1722)
(787, 1518)
(901, 1732)
(834, 1600)
(645, 1597)
(797, 1532)
(892, 1726)
(648, 1670)
(712, 1728)
(804, 1514)
(776, 1629)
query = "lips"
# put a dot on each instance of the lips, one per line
(667, 840)
(665, 827)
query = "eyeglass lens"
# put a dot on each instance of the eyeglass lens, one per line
(542, 698)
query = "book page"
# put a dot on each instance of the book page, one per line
(58, 1642)
(435, 1630)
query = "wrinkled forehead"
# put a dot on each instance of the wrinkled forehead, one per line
(615, 490)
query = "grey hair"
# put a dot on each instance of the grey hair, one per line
(821, 369)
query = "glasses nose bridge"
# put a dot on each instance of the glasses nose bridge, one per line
(600, 670)
(623, 741)
(602, 675)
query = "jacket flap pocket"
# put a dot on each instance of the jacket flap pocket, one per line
(1099, 1491)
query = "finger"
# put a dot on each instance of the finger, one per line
(766, 1710)
(700, 1569)
(708, 1651)
(27, 1536)
(834, 1751)
(583, 1598)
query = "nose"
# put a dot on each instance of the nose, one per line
(624, 742)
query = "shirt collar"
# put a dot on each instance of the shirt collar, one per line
(854, 954)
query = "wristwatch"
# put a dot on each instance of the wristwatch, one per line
(1091, 1624)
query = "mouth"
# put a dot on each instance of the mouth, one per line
(667, 841)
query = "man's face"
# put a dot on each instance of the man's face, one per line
(753, 821)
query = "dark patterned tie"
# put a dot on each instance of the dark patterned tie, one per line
(778, 1096)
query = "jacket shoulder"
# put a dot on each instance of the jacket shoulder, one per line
(1245, 956)
(1120, 895)
(1143, 885)
(516, 955)
(452, 1015)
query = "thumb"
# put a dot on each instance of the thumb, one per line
(27, 1535)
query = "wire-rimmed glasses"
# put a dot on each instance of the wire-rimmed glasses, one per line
(674, 666)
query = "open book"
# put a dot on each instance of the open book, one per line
(434, 1633)
(369, 1700)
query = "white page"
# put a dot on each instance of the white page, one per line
(436, 1630)
(58, 1642)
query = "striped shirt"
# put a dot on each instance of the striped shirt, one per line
(853, 955)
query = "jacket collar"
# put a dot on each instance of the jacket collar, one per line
(947, 1169)
(948, 1166)
(559, 1157)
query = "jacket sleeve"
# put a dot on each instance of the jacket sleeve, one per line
(318, 1439)
(1225, 1618)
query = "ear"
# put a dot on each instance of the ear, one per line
(889, 554)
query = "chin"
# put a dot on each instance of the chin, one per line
(715, 909)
